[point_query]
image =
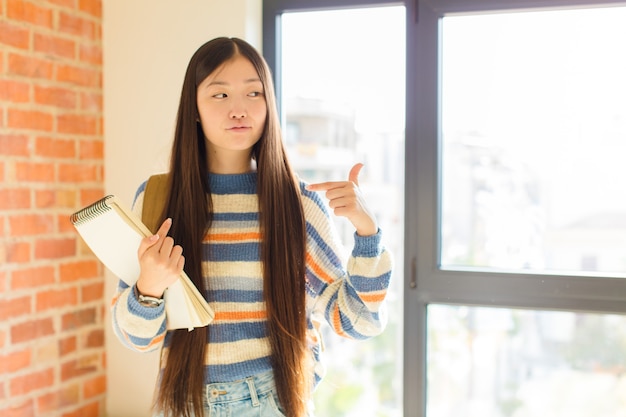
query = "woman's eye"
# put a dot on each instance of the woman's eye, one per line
(220, 95)
(255, 94)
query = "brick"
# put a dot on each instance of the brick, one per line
(51, 299)
(95, 339)
(92, 102)
(78, 173)
(14, 145)
(15, 307)
(91, 149)
(34, 171)
(79, 367)
(47, 353)
(67, 345)
(45, 198)
(79, 76)
(30, 12)
(56, 96)
(18, 252)
(78, 319)
(55, 148)
(90, 54)
(55, 198)
(75, 25)
(47, 403)
(68, 395)
(14, 198)
(14, 91)
(69, 4)
(34, 277)
(30, 67)
(66, 199)
(77, 124)
(80, 270)
(31, 224)
(91, 195)
(31, 330)
(55, 248)
(64, 224)
(15, 361)
(55, 46)
(25, 384)
(89, 410)
(92, 7)
(95, 386)
(14, 35)
(92, 292)
(30, 119)
(25, 409)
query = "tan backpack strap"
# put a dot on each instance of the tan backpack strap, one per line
(152, 213)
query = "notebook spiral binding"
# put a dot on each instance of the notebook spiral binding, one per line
(91, 211)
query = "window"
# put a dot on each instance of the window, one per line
(343, 99)
(533, 134)
(514, 253)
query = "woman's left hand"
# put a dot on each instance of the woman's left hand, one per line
(346, 200)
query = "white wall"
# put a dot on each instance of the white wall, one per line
(147, 45)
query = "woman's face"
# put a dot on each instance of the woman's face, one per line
(232, 108)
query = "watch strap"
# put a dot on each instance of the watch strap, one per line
(147, 301)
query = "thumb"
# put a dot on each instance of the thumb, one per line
(147, 243)
(354, 173)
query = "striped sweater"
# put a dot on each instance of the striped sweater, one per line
(348, 294)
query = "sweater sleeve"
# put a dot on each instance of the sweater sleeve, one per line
(348, 293)
(138, 327)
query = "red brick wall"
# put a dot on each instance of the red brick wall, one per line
(52, 357)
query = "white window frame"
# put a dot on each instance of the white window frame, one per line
(425, 281)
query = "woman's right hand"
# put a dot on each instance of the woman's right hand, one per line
(161, 262)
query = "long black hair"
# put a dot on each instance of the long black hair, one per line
(282, 248)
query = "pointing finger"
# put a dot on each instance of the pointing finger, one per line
(353, 177)
(324, 186)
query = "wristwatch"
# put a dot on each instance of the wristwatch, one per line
(148, 301)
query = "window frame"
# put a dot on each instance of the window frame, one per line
(425, 282)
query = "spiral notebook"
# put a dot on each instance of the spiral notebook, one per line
(113, 233)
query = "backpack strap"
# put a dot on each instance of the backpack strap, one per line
(152, 213)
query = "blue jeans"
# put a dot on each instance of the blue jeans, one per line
(254, 396)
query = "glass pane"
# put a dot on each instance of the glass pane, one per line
(489, 362)
(344, 87)
(533, 141)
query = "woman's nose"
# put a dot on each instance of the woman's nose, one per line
(237, 112)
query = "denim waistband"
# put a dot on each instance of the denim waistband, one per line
(249, 388)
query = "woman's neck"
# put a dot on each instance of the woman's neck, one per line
(231, 164)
